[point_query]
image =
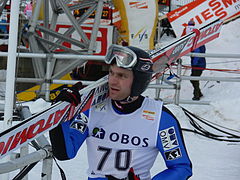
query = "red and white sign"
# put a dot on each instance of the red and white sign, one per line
(103, 41)
(202, 12)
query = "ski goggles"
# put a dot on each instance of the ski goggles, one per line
(123, 56)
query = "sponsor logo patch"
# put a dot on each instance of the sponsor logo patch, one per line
(98, 133)
(80, 123)
(149, 115)
(140, 35)
(173, 154)
(138, 5)
(168, 138)
(101, 107)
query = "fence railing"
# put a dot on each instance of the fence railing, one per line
(157, 86)
(181, 77)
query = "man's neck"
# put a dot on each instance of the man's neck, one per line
(128, 107)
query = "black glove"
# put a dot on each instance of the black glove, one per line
(70, 94)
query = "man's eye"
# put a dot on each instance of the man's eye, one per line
(110, 72)
(123, 76)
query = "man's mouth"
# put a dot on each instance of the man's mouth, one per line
(114, 89)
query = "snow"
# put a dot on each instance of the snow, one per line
(211, 159)
(38, 105)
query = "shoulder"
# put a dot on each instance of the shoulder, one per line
(168, 118)
(167, 111)
(153, 101)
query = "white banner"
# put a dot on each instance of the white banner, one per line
(202, 12)
(138, 22)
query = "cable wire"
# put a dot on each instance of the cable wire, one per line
(196, 121)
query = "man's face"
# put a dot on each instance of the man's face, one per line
(120, 82)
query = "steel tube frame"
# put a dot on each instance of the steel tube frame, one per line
(178, 82)
(57, 56)
(214, 55)
(92, 43)
(70, 56)
(24, 161)
(101, 58)
(41, 142)
(11, 63)
(74, 22)
(206, 78)
(71, 29)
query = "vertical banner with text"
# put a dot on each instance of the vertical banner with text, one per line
(138, 22)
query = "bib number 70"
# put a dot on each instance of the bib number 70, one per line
(122, 158)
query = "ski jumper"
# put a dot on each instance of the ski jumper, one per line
(119, 142)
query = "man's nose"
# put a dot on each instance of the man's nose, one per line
(113, 79)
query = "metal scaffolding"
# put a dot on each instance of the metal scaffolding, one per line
(43, 37)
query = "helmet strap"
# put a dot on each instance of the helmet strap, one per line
(128, 99)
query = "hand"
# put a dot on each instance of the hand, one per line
(70, 94)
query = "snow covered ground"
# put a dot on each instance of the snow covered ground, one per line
(211, 159)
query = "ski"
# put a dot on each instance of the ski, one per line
(42, 122)
(163, 57)
(92, 95)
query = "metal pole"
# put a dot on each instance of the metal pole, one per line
(95, 57)
(57, 56)
(159, 31)
(92, 45)
(182, 101)
(48, 79)
(214, 55)
(43, 143)
(35, 16)
(206, 78)
(11, 66)
(11, 63)
(157, 92)
(178, 82)
(24, 161)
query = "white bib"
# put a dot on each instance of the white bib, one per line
(118, 142)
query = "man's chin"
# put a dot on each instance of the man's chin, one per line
(115, 97)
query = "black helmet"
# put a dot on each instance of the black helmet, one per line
(135, 59)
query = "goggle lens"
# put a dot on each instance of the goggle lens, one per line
(124, 57)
